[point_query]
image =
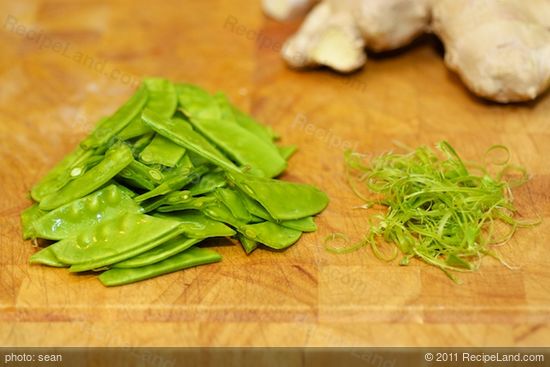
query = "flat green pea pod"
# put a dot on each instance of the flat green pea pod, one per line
(248, 244)
(198, 203)
(172, 198)
(306, 224)
(115, 240)
(81, 214)
(46, 256)
(58, 176)
(194, 256)
(28, 218)
(174, 182)
(287, 151)
(197, 225)
(248, 123)
(110, 127)
(163, 98)
(208, 183)
(233, 201)
(271, 234)
(141, 176)
(116, 158)
(283, 200)
(185, 136)
(142, 142)
(163, 151)
(241, 145)
(136, 127)
(159, 253)
(195, 101)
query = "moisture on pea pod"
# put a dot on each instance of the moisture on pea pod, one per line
(170, 168)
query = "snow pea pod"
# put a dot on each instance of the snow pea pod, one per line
(241, 145)
(74, 217)
(162, 95)
(283, 200)
(115, 240)
(163, 151)
(192, 257)
(58, 176)
(140, 175)
(305, 224)
(174, 182)
(248, 244)
(28, 218)
(185, 136)
(142, 142)
(111, 126)
(46, 256)
(247, 122)
(136, 127)
(197, 225)
(196, 102)
(159, 253)
(219, 212)
(193, 203)
(208, 183)
(287, 151)
(172, 198)
(271, 234)
(234, 203)
(116, 158)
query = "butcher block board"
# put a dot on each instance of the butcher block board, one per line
(52, 94)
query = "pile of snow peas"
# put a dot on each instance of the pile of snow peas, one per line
(172, 167)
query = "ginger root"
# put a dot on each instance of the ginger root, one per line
(499, 48)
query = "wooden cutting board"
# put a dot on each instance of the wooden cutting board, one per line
(85, 58)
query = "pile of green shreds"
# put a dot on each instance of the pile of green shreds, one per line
(436, 208)
(172, 167)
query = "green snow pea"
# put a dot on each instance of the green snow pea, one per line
(247, 122)
(195, 101)
(218, 211)
(198, 203)
(136, 127)
(185, 136)
(163, 151)
(140, 175)
(241, 145)
(306, 224)
(287, 151)
(59, 175)
(208, 183)
(28, 218)
(174, 182)
(172, 198)
(159, 253)
(233, 201)
(192, 257)
(271, 234)
(76, 216)
(142, 142)
(163, 98)
(115, 240)
(248, 244)
(46, 256)
(197, 225)
(283, 200)
(116, 158)
(111, 126)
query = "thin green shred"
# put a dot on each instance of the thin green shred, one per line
(434, 208)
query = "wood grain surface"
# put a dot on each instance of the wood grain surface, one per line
(64, 64)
